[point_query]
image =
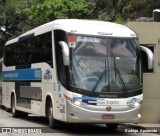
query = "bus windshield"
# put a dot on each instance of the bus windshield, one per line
(101, 64)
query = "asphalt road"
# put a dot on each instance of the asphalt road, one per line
(39, 124)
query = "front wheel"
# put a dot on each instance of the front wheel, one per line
(52, 122)
(112, 126)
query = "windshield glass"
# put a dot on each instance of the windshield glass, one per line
(104, 64)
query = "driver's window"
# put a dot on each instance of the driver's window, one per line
(60, 35)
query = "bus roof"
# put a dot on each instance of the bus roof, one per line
(78, 26)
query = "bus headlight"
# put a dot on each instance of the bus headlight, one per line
(75, 102)
(78, 103)
(135, 104)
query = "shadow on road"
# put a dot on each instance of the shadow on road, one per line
(83, 129)
(77, 129)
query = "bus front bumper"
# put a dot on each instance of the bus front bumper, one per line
(77, 114)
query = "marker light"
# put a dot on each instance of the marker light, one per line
(139, 115)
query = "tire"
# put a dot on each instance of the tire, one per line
(13, 108)
(112, 126)
(15, 113)
(52, 122)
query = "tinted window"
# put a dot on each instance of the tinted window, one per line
(61, 69)
(33, 50)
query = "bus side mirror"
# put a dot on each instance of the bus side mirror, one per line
(149, 55)
(65, 51)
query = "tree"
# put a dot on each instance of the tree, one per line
(10, 21)
(18, 16)
(105, 9)
(2, 28)
(49, 10)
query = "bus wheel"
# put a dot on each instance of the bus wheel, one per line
(112, 126)
(52, 122)
(13, 108)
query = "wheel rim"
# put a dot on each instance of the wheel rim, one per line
(50, 116)
(50, 112)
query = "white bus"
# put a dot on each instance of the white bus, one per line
(76, 71)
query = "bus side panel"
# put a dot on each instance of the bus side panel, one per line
(30, 98)
(29, 91)
(31, 95)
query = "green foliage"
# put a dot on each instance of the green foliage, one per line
(104, 9)
(56, 9)
(18, 16)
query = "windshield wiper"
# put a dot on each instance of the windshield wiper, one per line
(100, 78)
(119, 75)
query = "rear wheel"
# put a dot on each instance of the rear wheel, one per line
(16, 113)
(112, 126)
(13, 108)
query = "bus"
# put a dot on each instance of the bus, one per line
(75, 71)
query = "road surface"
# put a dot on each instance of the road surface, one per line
(39, 124)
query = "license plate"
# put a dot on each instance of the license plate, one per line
(108, 116)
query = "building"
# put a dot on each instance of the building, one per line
(149, 36)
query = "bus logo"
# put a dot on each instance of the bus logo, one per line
(47, 75)
(112, 102)
(133, 100)
(108, 108)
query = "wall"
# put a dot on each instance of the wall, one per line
(149, 33)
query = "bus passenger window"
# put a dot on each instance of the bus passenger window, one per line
(28, 51)
(145, 59)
